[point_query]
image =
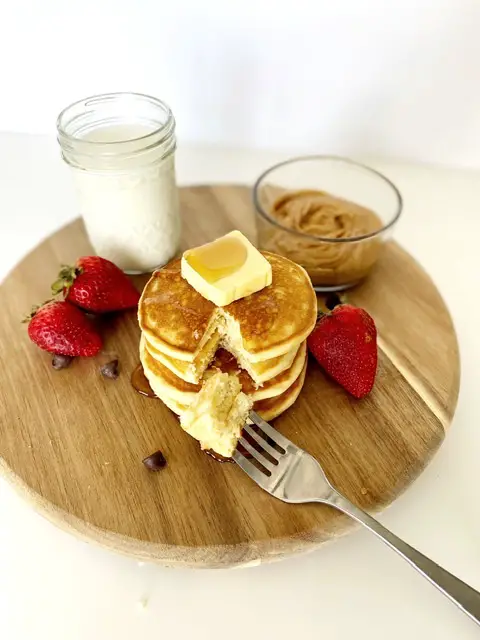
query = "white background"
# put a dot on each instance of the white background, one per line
(395, 78)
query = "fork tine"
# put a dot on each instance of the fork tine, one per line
(250, 469)
(269, 430)
(262, 442)
(259, 457)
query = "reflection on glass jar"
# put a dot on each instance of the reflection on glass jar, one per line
(328, 214)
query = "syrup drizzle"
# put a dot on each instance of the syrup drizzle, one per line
(216, 456)
(140, 383)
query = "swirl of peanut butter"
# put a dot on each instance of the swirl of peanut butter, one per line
(323, 215)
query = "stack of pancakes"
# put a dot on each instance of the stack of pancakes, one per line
(186, 338)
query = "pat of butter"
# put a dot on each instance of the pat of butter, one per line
(226, 269)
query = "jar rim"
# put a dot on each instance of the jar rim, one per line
(168, 125)
(94, 113)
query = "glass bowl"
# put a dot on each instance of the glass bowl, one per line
(329, 214)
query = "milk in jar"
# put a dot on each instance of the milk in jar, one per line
(120, 148)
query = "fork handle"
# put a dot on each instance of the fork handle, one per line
(459, 592)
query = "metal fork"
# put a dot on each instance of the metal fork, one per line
(293, 475)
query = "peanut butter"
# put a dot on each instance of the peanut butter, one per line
(321, 214)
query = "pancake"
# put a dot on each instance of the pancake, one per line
(260, 372)
(178, 322)
(188, 371)
(268, 409)
(226, 362)
(166, 383)
(218, 414)
(209, 364)
(272, 407)
(270, 322)
(175, 318)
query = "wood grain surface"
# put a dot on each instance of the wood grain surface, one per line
(72, 441)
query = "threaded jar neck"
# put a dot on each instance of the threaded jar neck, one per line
(116, 131)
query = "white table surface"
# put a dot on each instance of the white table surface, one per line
(54, 586)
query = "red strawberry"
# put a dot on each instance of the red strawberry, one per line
(97, 285)
(61, 328)
(345, 343)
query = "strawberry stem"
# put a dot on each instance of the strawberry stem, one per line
(66, 278)
(34, 310)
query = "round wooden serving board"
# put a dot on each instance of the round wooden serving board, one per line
(72, 441)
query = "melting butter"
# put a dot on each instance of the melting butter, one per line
(218, 259)
(226, 269)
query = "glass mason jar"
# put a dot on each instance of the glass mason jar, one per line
(121, 147)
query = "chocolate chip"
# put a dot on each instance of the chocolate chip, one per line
(110, 369)
(61, 362)
(332, 300)
(155, 462)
